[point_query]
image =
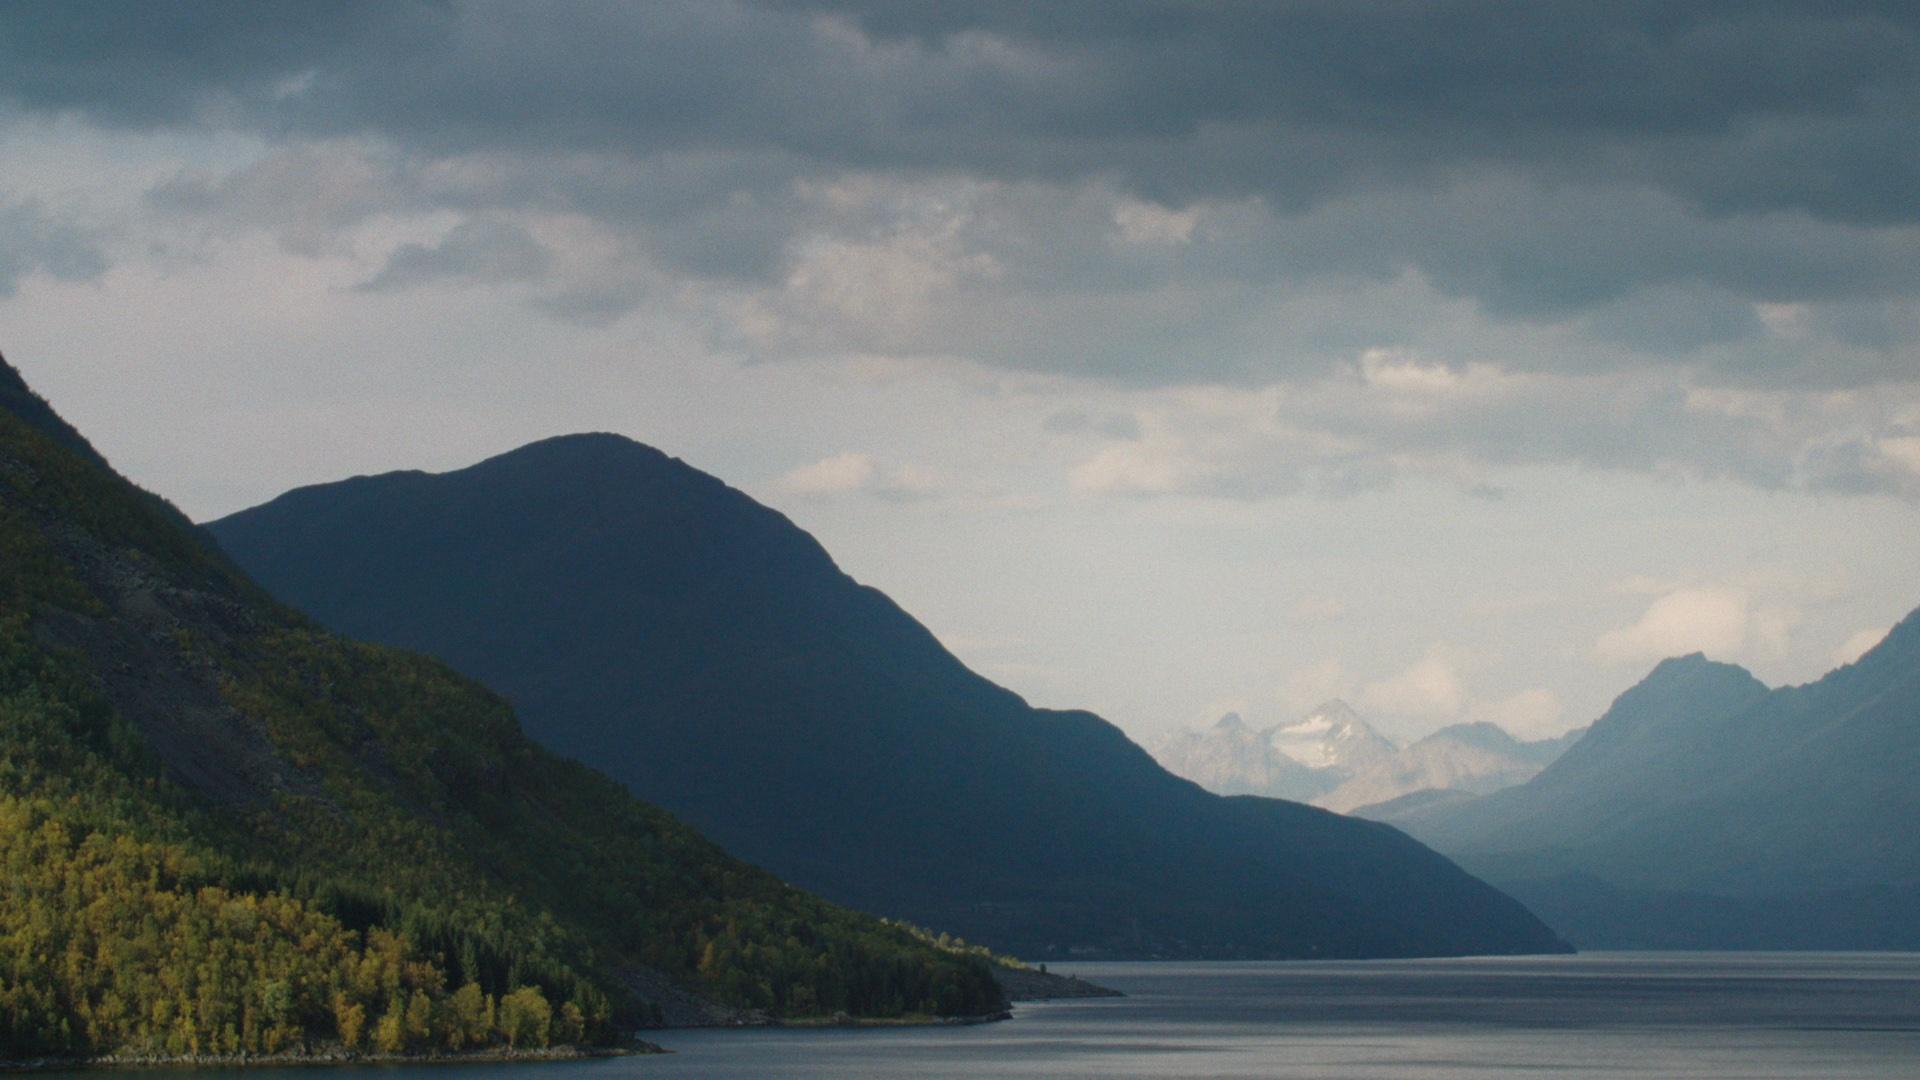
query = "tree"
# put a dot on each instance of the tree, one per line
(469, 1017)
(526, 1018)
(349, 1016)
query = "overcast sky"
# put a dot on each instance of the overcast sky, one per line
(1462, 359)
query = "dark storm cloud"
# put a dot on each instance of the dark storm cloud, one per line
(476, 250)
(32, 242)
(1549, 161)
(1737, 106)
(151, 64)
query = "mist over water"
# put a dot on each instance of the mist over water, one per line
(1702, 1016)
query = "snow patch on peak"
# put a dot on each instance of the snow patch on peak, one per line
(1331, 737)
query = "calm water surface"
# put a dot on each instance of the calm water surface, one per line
(1597, 1016)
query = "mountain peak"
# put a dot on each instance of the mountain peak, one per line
(1678, 691)
(1693, 669)
(1230, 722)
(584, 450)
(1331, 736)
(1477, 733)
(1336, 710)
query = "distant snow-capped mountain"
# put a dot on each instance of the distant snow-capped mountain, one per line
(1234, 758)
(1475, 759)
(1335, 759)
(1332, 737)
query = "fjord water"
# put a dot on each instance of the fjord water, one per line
(1595, 1016)
(1702, 1016)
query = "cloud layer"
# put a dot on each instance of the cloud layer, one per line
(1546, 161)
(1632, 235)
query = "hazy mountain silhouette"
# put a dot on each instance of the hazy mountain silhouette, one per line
(1334, 759)
(647, 618)
(1704, 810)
(1231, 757)
(1475, 759)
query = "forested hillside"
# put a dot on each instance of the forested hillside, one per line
(226, 831)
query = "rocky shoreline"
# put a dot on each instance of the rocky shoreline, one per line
(1032, 984)
(330, 1056)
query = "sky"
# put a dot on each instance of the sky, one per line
(1459, 359)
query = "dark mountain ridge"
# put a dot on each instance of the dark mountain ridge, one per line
(698, 646)
(228, 832)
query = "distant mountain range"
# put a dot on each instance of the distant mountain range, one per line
(228, 832)
(1333, 758)
(647, 618)
(1706, 811)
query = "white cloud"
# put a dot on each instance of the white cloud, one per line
(1145, 223)
(854, 473)
(1394, 370)
(1146, 467)
(1321, 608)
(1902, 450)
(1856, 646)
(1722, 622)
(1305, 687)
(1529, 714)
(1429, 690)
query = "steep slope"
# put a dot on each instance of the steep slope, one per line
(1705, 811)
(702, 649)
(26, 407)
(226, 831)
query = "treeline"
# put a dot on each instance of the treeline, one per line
(117, 935)
(104, 948)
(392, 867)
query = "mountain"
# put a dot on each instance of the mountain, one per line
(1706, 811)
(1476, 758)
(702, 649)
(1334, 759)
(1302, 761)
(1234, 758)
(18, 401)
(228, 832)
(1333, 738)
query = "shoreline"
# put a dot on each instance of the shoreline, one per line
(1019, 985)
(1032, 984)
(324, 1058)
(854, 1023)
